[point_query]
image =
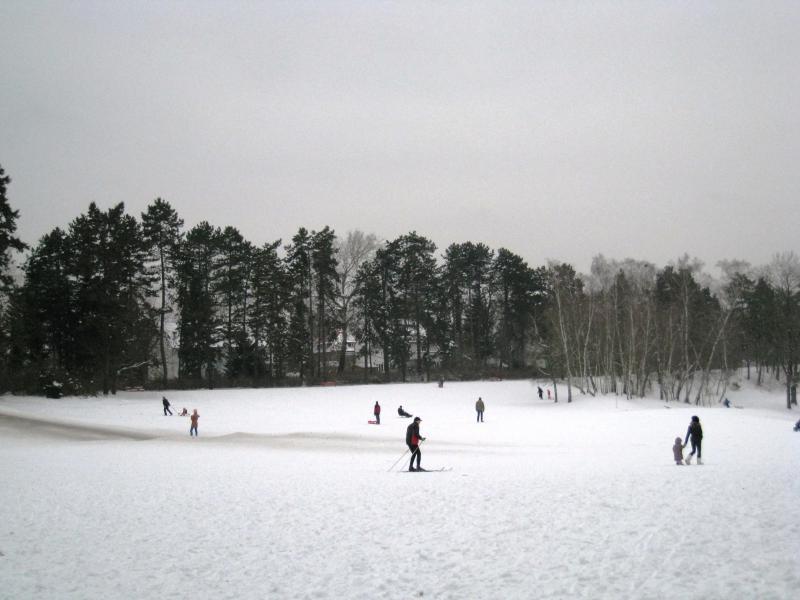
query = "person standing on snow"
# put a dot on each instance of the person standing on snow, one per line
(677, 451)
(165, 402)
(695, 433)
(194, 418)
(377, 412)
(479, 408)
(540, 392)
(413, 439)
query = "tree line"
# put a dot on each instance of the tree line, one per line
(105, 302)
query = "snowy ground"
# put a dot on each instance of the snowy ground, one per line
(286, 494)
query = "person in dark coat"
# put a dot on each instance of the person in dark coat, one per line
(540, 391)
(165, 402)
(479, 408)
(413, 438)
(377, 412)
(695, 434)
(401, 411)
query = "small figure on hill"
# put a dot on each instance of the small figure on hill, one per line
(401, 411)
(377, 412)
(184, 412)
(695, 434)
(413, 439)
(540, 392)
(193, 428)
(797, 425)
(165, 402)
(548, 394)
(441, 382)
(726, 403)
(479, 408)
(677, 451)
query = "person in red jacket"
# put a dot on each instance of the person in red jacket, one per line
(377, 412)
(193, 428)
(413, 438)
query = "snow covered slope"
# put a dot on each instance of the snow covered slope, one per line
(286, 494)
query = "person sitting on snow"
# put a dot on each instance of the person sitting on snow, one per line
(184, 413)
(402, 412)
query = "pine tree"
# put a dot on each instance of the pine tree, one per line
(8, 225)
(417, 283)
(323, 264)
(161, 227)
(8, 242)
(233, 286)
(301, 319)
(199, 322)
(110, 293)
(268, 316)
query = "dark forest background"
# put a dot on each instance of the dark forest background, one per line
(115, 301)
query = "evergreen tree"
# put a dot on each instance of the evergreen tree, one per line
(368, 307)
(48, 307)
(520, 292)
(478, 315)
(8, 242)
(199, 323)
(110, 293)
(301, 316)
(417, 283)
(268, 316)
(161, 227)
(323, 264)
(8, 226)
(233, 287)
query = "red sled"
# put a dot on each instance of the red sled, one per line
(372, 422)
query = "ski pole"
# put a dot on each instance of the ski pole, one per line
(397, 461)
(401, 458)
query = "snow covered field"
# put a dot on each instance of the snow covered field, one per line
(286, 494)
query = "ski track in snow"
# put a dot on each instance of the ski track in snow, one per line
(286, 494)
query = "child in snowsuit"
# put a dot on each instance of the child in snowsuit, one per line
(193, 428)
(695, 433)
(677, 451)
(413, 439)
(184, 413)
(377, 412)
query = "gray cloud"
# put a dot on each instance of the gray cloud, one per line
(557, 130)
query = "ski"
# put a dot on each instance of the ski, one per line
(442, 470)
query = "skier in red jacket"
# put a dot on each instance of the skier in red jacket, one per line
(413, 438)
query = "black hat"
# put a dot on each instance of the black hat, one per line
(417, 419)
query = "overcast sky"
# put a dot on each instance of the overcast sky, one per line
(554, 129)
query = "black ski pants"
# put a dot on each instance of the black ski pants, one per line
(696, 447)
(167, 410)
(415, 452)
